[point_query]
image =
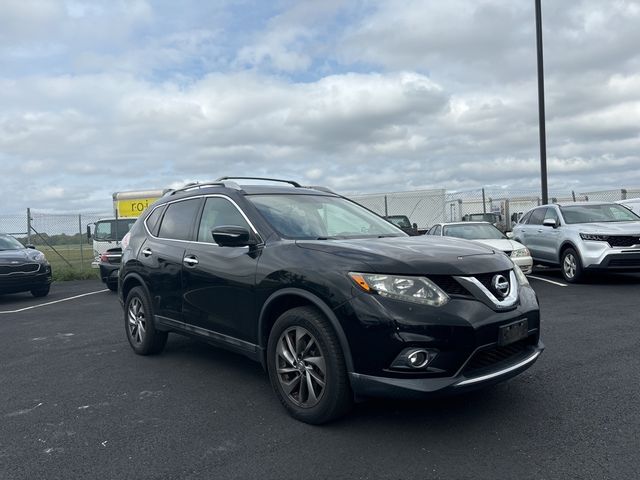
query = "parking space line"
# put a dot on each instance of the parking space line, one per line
(549, 281)
(55, 301)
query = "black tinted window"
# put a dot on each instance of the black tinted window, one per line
(153, 221)
(537, 216)
(178, 220)
(219, 212)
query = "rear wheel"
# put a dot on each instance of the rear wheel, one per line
(138, 321)
(571, 266)
(306, 367)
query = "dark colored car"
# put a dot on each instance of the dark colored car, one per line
(23, 269)
(403, 223)
(109, 264)
(333, 300)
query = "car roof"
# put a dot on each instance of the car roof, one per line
(569, 204)
(446, 224)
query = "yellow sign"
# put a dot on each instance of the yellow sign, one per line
(133, 207)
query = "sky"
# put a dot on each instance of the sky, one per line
(361, 96)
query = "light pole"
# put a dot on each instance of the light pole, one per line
(541, 114)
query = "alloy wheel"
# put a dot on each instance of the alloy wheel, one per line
(137, 321)
(301, 367)
(569, 265)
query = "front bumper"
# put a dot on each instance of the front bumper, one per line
(416, 388)
(525, 264)
(601, 256)
(464, 333)
(25, 282)
(628, 260)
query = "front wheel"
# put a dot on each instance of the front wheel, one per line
(571, 266)
(307, 368)
(40, 292)
(138, 322)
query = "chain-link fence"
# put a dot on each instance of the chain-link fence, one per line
(500, 206)
(63, 238)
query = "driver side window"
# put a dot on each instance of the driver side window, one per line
(218, 212)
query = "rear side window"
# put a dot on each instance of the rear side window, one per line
(525, 219)
(153, 221)
(178, 220)
(219, 212)
(551, 214)
(537, 216)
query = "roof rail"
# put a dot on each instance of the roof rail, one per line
(196, 185)
(290, 182)
(321, 189)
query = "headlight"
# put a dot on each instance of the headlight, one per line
(39, 257)
(409, 289)
(521, 252)
(594, 237)
(522, 278)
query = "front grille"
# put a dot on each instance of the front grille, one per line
(494, 356)
(624, 240)
(449, 285)
(486, 278)
(23, 268)
(624, 262)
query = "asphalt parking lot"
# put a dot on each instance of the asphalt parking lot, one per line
(76, 402)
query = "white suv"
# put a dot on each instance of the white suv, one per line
(582, 236)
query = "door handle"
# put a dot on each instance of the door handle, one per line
(190, 261)
(147, 252)
(540, 231)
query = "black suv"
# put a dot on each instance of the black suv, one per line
(334, 301)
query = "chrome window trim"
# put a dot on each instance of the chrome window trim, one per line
(211, 195)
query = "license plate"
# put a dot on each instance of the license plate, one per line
(513, 332)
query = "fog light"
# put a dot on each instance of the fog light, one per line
(413, 358)
(418, 358)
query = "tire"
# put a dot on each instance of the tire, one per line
(571, 266)
(113, 286)
(41, 292)
(138, 323)
(308, 393)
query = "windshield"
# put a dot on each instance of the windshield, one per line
(106, 229)
(473, 232)
(486, 217)
(608, 212)
(7, 242)
(305, 217)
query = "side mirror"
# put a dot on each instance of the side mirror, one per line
(415, 226)
(88, 232)
(232, 236)
(550, 222)
(32, 247)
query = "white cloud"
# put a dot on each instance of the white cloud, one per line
(360, 96)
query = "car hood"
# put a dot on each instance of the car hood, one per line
(7, 257)
(503, 245)
(414, 255)
(620, 228)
